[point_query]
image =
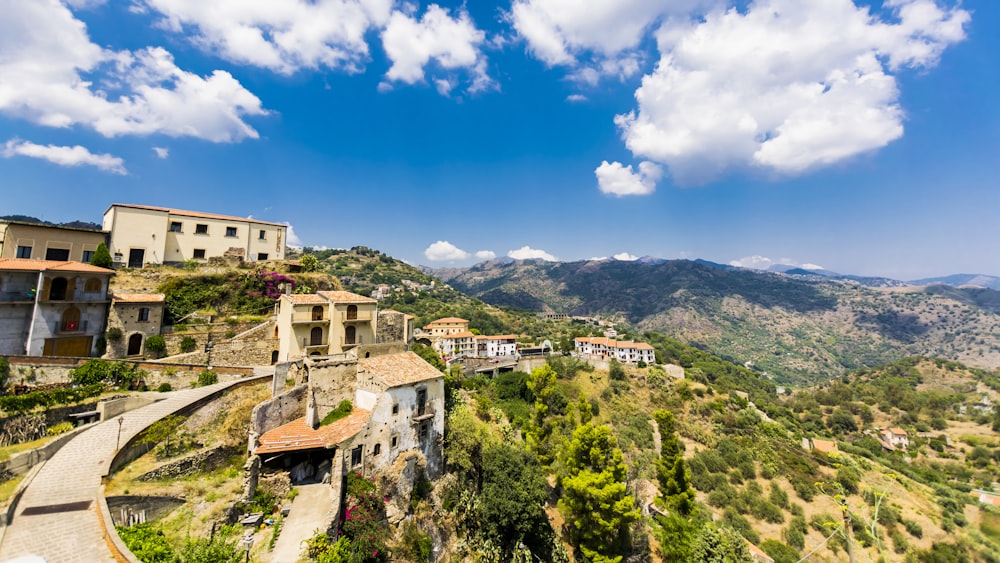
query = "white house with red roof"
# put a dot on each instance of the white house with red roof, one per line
(625, 351)
(52, 308)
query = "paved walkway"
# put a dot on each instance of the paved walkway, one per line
(57, 516)
(309, 513)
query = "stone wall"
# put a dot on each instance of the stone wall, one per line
(391, 327)
(279, 410)
(150, 507)
(202, 461)
(232, 353)
(178, 374)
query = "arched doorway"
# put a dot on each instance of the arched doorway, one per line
(352, 312)
(317, 313)
(350, 334)
(71, 320)
(316, 337)
(58, 290)
(134, 344)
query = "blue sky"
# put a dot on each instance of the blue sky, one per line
(860, 137)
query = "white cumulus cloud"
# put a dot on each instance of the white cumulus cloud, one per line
(64, 156)
(755, 262)
(283, 36)
(528, 253)
(615, 179)
(48, 69)
(292, 239)
(442, 251)
(161, 152)
(450, 43)
(785, 85)
(625, 257)
(486, 255)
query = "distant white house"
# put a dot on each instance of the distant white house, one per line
(625, 351)
(896, 437)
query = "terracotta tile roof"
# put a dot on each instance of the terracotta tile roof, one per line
(304, 299)
(463, 334)
(346, 297)
(184, 213)
(393, 370)
(825, 446)
(897, 431)
(447, 320)
(138, 297)
(612, 343)
(28, 265)
(497, 337)
(297, 435)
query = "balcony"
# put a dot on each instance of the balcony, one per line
(359, 317)
(346, 343)
(420, 415)
(308, 319)
(26, 297)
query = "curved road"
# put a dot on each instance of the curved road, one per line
(57, 516)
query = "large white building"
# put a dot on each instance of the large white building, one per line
(51, 308)
(625, 351)
(143, 234)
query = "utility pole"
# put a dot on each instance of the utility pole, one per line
(847, 533)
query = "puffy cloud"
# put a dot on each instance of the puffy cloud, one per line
(619, 180)
(451, 43)
(625, 257)
(604, 34)
(786, 85)
(292, 239)
(528, 253)
(486, 255)
(443, 250)
(758, 262)
(161, 152)
(45, 53)
(281, 36)
(64, 156)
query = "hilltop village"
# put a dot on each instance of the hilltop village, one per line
(242, 400)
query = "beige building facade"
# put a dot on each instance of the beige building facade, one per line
(446, 326)
(142, 234)
(324, 323)
(48, 242)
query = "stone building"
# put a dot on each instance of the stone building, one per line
(51, 308)
(328, 322)
(19, 239)
(138, 316)
(143, 234)
(398, 415)
(393, 326)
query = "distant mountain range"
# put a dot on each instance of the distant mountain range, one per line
(798, 324)
(72, 224)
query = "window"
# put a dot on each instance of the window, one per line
(356, 457)
(175, 226)
(201, 229)
(57, 254)
(199, 254)
(143, 313)
(92, 285)
(261, 256)
(395, 409)
(262, 235)
(88, 255)
(394, 441)
(421, 402)
(230, 231)
(424, 432)
(377, 450)
(24, 252)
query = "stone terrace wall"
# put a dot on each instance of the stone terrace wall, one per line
(178, 375)
(279, 410)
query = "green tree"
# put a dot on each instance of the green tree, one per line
(671, 469)
(429, 355)
(309, 263)
(511, 506)
(161, 431)
(595, 502)
(720, 545)
(542, 384)
(101, 257)
(616, 372)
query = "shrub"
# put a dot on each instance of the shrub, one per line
(187, 344)
(164, 388)
(156, 345)
(147, 543)
(101, 345)
(309, 263)
(48, 398)
(780, 552)
(114, 334)
(61, 428)
(343, 409)
(101, 257)
(207, 377)
(913, 528)
(120, 374)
